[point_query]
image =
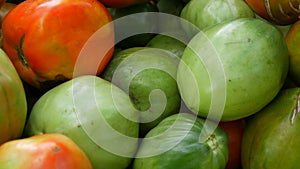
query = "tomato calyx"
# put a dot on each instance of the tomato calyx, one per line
(212, 142)
(20, 52)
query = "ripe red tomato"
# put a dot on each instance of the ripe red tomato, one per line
(44, 38)
(282, 12)
(235, 130)
(46, 151)
(121, 3)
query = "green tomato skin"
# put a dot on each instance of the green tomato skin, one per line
(57, 112)
(158, 73)
(271, 139)
(254, 62)
(206, 13)
(173, 45)
(189, 152)
(13, 109)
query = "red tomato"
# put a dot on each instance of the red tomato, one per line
(46, 151)
(44, 38)
(235, 130)
(121, 3)
(282, 12)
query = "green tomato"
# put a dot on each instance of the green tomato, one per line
(137, 23)
(95, 114)
(173, 7)
(232, 70)
(170, 7)
(168, 43)
(176, 143)
(206, 13)
(148, 75)
(13, 109)
(271, 136)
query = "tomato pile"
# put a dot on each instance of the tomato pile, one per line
(149, 84)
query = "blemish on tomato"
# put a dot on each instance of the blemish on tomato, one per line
(296, 109)
(56, 149)
(21, 54)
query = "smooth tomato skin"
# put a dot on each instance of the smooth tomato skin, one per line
(45, 151)
(121, 3)
(234, 130)
(44, 38)
(13, 109)
(258, 7)
(282, 12)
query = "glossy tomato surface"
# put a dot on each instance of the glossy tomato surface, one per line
(234, 130)
(45, 151)
(281, 12)
(44, 39)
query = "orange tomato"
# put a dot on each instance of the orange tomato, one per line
(46, 151)
(121, 3)
(44, 39)
(281, 12)
(235, 130)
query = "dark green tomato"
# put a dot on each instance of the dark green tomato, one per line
(175, 144)
(271, 139)
(138, 23)
(173, 7)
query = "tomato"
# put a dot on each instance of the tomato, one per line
(271, 139)
(95, 114)
(143, 22)
(159, 70)
(277, 11)
(121, 3)
(206, 13)
(175, 143)
(46, 151)
(44, 38)
(233, 65)
(13, 109)
(234, 130)
(293, 41)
